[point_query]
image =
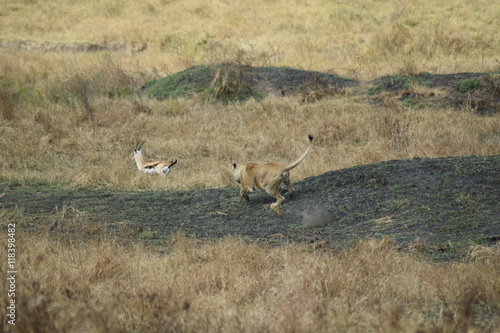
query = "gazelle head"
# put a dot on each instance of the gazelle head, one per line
(138, 148)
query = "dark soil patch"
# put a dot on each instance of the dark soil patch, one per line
(479, 92)
(438, 207)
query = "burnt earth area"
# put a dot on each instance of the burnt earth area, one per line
(437, 207)
(478, 92)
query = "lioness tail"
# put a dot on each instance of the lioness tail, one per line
(297, 162)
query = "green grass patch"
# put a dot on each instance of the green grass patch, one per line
(466, 85)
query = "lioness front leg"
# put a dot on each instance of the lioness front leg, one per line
(244, 195)
(279, 199)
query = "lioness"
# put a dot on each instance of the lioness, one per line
(267, 177)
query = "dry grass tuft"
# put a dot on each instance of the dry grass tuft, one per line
(486, 255)
(7, 105)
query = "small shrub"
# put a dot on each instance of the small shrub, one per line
(466, 85)
(83, 89)
(398, 133)
(229, 84)
(315, 89)
(391, 83)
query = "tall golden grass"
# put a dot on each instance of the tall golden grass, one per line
(51, 136)
(366, 38)
(232, 286)
(74, 117)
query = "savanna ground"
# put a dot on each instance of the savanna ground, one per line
(394, 226)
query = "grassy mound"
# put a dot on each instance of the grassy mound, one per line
(479, 92)
(233, 82)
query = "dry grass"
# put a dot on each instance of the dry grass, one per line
(365, 38)
(230, 286)
(65, 141)
(73, 117)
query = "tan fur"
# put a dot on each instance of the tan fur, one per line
(267, 177)
(159, 167)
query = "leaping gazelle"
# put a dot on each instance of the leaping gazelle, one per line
(158, 167)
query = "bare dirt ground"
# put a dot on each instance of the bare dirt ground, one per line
(437, 207)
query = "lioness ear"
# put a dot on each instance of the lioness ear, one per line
(234, 165)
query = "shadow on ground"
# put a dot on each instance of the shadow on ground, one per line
(438, 207)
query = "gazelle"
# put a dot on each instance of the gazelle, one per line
(158, 167)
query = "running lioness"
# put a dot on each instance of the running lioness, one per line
(267, 177)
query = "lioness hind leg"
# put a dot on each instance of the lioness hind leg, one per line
(289, 186)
